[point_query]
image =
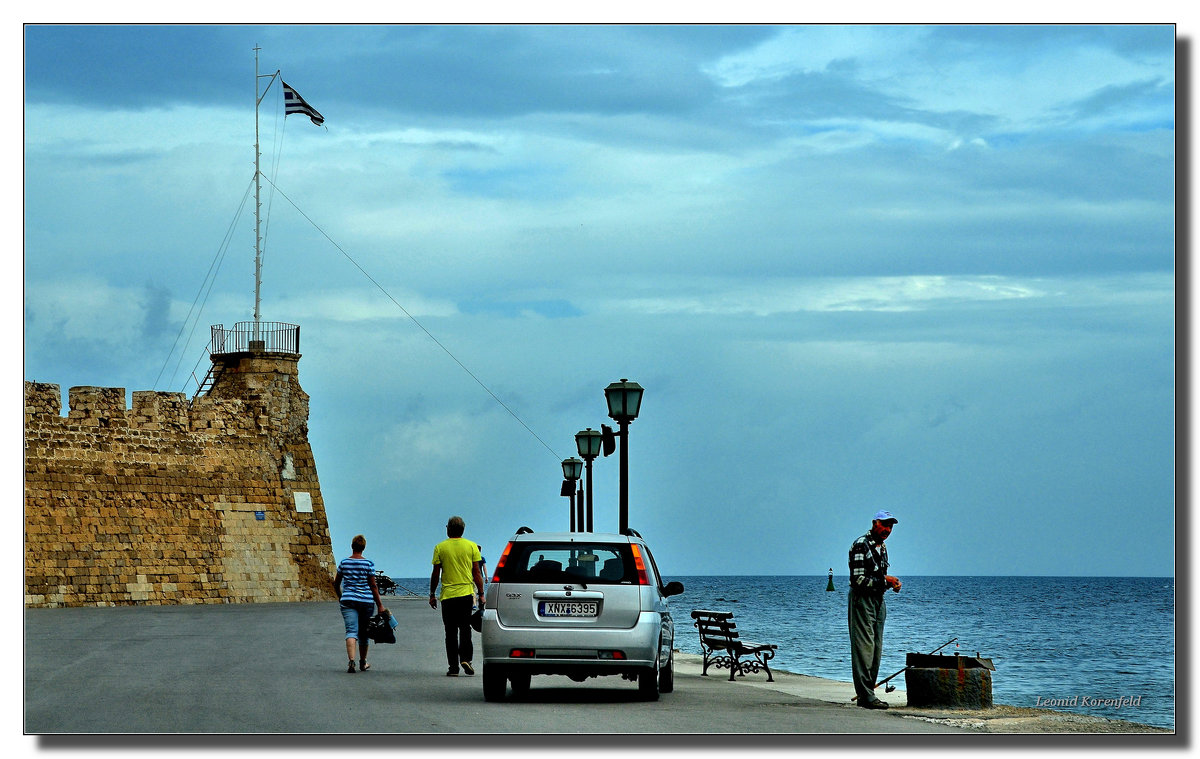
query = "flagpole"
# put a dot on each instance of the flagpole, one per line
(258, 197)
(317, 119)
(257, 209)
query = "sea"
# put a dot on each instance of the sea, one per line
(1102, 646)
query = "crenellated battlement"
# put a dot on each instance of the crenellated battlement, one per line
(42, 399)
(89, 406)
(175, 500)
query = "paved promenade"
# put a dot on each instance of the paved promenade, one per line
(280, 668)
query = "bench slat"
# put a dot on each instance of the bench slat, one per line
(718, 632)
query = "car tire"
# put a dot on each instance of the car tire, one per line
(648, 683)
(495, 682)
(666, 678)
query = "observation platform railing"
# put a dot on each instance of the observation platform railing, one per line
(246, 337)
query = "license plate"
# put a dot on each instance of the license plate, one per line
(568, 608)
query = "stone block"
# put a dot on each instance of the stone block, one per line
(949, 688)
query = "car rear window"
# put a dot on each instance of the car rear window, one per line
(598, 564)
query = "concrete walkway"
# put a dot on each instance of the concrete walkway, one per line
(280, 668)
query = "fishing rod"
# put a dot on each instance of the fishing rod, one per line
(891, 688)
(411, 592)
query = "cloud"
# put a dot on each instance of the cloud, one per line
(1014, 79)
(361, 304)
(416, 447)
(156, 305)
(826, 294)
(782, 296)
(91, 309)
(123, 135)
(814, 49)
(1138, 104)
(549, 308)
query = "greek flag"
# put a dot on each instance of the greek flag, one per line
(293, 103)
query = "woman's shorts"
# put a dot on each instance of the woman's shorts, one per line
(356, 616)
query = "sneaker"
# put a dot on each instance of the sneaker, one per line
(452, 672)
(350, 669)
(467, 668)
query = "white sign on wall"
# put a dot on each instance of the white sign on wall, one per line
(303, 501)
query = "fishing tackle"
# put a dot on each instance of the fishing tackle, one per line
(890, 688)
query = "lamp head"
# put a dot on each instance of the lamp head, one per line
(624, 400)
(588, 443)
(572, 468)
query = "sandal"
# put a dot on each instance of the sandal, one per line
(363, 666)
(350, 669)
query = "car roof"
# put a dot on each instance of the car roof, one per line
(574, 537)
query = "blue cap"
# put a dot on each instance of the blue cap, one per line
(885, 516)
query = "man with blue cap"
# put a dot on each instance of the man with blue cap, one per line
(869, 580)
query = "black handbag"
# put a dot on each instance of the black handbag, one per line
(477, 620)
(380, 628)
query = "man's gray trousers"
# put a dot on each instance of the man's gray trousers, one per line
(866, 615)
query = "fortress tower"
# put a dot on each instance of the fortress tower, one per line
(210, 500)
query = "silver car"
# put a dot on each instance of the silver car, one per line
(579, 604)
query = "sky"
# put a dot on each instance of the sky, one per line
(929, 269)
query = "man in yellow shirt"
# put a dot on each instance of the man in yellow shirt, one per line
(456, 563)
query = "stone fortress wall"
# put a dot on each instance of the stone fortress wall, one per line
(176, 501)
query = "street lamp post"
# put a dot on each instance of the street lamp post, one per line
(588, 443)
(624, 401)
(579, 507)
(572, 468)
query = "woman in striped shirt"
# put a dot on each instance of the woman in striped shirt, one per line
(355, 587)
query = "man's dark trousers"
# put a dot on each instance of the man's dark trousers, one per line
(456, 618)
(866, 615)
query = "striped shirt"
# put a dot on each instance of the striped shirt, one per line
(353, 576)
(868, 565)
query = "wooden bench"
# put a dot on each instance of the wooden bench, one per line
(722, 647)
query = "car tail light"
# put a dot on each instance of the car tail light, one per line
(643, 578)
(521, 653)
(501, 562)
(620, 655)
